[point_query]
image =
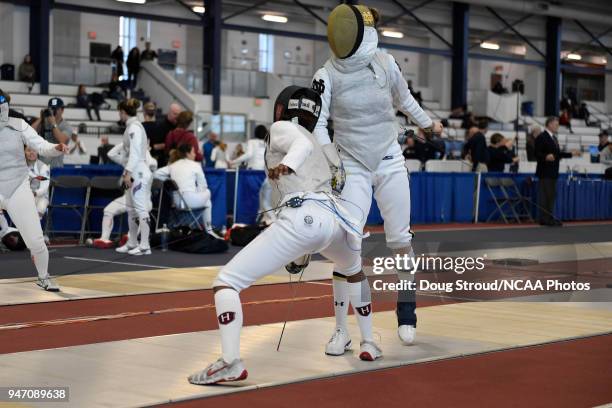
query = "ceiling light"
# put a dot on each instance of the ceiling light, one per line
(575, 57)
(133, 1)
(274, 18)
(489, 45)
(198, 9)
(393, 34)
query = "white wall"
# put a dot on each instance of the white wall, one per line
(14, 34)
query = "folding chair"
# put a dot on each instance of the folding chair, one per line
(157, 185)
(69, 183)
(105, 184)
(516, 199)
(500, 198)
(173, 189)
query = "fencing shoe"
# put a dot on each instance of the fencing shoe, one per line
(48, 284)
(406, 333)
(124, 249)
(339, 343)
(219, 372)
(369, 351)
(103, 244)
(138, 251)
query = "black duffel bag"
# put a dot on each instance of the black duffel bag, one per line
(184, 239)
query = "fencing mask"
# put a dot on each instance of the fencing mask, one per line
(13, 240)
(345, 28)
(299, 104)
(4, 111)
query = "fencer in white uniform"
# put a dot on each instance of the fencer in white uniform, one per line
(16, 197)
(361, 88)
(189, 178)
(40, 175)
(309, 220)
(219, 156)
(254, 156)
(119, 205)
(137, 177)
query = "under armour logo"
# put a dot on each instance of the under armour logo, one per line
(227, 317)
(318, 86)
(364, 310)
(341, 304)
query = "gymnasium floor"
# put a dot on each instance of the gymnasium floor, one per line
(125, 331)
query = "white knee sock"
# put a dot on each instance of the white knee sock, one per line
(361, 299)
(40, 257)
(208, 218)
(144, 232)
(107, 226)
(132, 230)
(229, 315)
(341, 300)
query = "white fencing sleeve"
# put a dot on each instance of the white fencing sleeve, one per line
(286, 138)
(403, 99)
(116, 154)
(35, 142)
(162, 173)
(321, 83)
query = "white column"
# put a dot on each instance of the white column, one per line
(609, 84)
(440, 71)
(535, 78)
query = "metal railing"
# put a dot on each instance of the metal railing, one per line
(75, 69)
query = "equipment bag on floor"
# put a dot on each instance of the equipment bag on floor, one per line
(242, 235)
(183, 239)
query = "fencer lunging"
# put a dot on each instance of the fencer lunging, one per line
(16, 197)
(309, 221)
(361, 88)
(137, 178)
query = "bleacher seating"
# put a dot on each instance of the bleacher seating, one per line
(442, 166)
(413, 165)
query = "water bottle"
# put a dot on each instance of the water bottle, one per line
(165, 232)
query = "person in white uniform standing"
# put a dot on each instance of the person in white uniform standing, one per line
(40, 175)
(137, 178)
(361, 88)
(309, 221)
(16, 197)
(119, 205)
(254, 156)
(189, 177)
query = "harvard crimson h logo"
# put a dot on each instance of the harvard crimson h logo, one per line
(226, 317)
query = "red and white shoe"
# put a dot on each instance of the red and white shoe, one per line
(219, 372)
(103, 244)
(369, 351)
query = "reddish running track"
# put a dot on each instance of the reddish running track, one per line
(565, 374)
(263, 304)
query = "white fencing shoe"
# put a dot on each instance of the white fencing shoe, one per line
(339, 343)
(48, 284)
(138, 251)
(406, 333)
(369, 351)
(219, 372)
(124, 249)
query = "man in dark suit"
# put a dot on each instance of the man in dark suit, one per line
(548, 154)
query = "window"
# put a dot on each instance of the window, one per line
(266, 53)
(127, 34)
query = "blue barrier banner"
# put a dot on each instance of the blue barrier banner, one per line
(437, 198)
(217, 184)
(247, 205)
(577, 198)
